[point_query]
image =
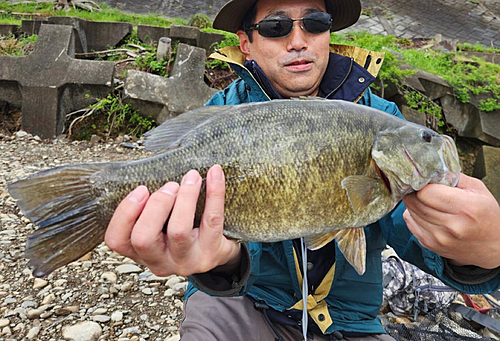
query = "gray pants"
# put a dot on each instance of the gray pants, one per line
(208, 318)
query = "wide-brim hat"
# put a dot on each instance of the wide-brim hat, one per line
(344, 14)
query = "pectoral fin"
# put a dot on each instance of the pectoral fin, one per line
(352, 244)
(318, 241)
(362, 191)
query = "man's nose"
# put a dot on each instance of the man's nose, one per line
(297, 40)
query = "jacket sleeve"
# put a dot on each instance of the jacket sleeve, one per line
(234, 283)
(470, 279)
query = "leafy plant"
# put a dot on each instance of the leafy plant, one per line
(12, 46)
(489, 104)
(111, 117)
(420, 102)
(201, 21)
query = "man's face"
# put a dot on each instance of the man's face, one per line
(294, 64)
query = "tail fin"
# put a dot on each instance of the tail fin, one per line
(62, 203)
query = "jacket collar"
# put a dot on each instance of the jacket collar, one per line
(344, 79)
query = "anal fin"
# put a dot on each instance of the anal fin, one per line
(352, 244)
(318, 241)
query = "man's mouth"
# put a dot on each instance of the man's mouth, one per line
(299, 65)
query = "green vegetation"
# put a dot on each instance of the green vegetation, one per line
(477, 48)
(423, 104)
(201, 21)
(109, 117)
(106, 14)
(466, 75)
(12, 46)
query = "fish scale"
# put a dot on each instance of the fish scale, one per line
(293, 168)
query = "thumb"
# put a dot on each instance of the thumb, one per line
(470, 183)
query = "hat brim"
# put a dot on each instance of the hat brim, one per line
(344, 14)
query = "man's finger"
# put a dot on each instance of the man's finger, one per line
(120, 227)
(180, 225)
(425, 212)
(147, 237)
(213, 215)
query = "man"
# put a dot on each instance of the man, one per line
(453, 233)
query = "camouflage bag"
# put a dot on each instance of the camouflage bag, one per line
(409, 290)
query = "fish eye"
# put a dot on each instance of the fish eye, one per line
(426, 136)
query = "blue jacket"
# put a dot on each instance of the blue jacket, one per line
(342, 300)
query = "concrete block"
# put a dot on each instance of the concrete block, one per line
(152, 34)
(51, 82)
(94, 35)
(185, 34)
(207, 39)
(413, 115)
(6, 29)
(90, 35)
(487, 168)
(163, 98)
(470, 121)
(31, 27)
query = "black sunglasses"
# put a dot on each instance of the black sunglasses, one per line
(276, 27)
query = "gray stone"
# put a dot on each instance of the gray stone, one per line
(90, 35)
(489, 57)
(163, 98)
(128, 268)
(101, 318)
(470, 121)
(152, 34)
(117, 316)
(31, 27)
(490, 127)
(51, 83)
(95, 35)
(83, 331)
(434, 86)
(7, 29)
(39, 283)
(206, 40)
(185, 34)
(487, 168)
(413, 115)
(33, 333)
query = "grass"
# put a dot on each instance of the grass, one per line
(17, 47)
(468, 76)
(106, 14)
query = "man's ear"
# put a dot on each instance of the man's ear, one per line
(244, 42)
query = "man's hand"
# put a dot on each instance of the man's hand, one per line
(135, 230)
(460, 223)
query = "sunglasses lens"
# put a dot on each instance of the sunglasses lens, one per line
(317, 22)
(274, 28)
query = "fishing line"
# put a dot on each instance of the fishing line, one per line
(305, 293)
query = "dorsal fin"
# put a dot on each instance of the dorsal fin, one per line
(168, 134)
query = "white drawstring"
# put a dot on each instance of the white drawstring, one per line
(305, 293)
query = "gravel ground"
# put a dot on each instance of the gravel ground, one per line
(102, 296)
